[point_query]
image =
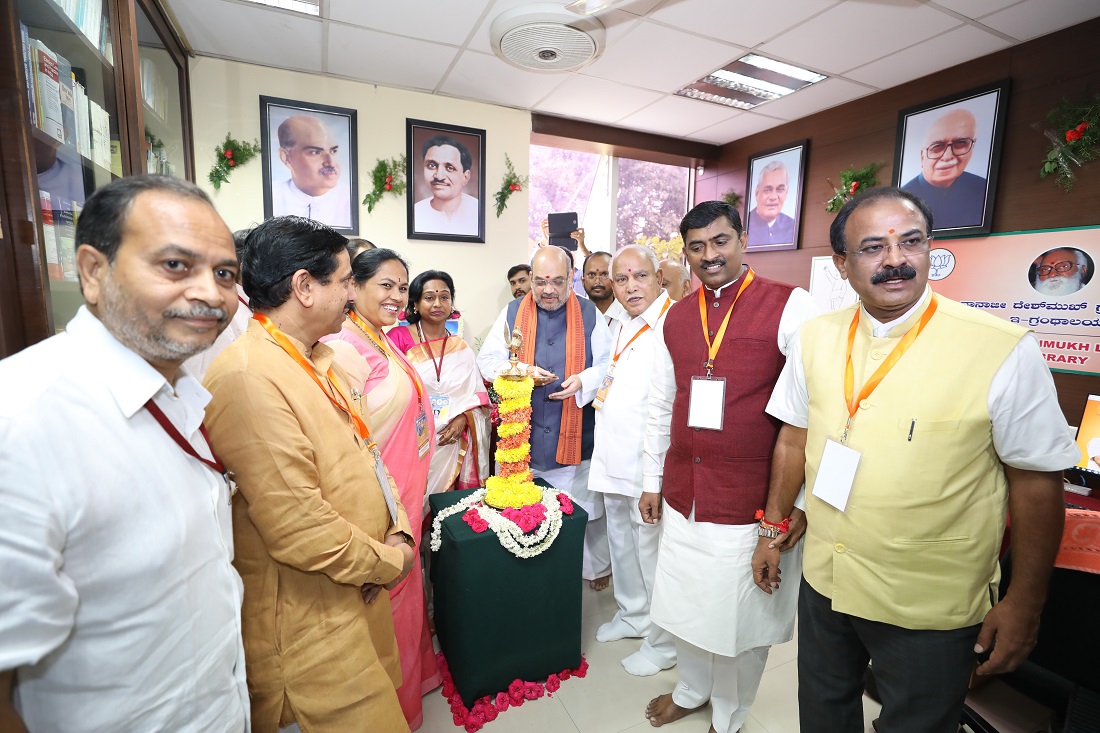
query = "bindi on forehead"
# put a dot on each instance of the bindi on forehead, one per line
(891, 231)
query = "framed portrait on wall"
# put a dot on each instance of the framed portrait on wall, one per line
(948, 153)
(446, 181)
(309, 162)
(776, 180)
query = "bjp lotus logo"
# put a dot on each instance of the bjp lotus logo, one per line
(943, 263)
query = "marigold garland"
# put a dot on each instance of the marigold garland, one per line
(387, 176)
(508, 429)
(513, 455)
(229, 156)
(514, 389)
(487, 708)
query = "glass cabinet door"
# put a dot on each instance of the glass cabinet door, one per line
(159, 84)
(69, 64)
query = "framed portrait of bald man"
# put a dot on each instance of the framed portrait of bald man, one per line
(774, 192)
(948, 153)
(446, 181)
(309, 162)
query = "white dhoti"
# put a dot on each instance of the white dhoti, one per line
(704, 595)
(574, 480)
(634, 546)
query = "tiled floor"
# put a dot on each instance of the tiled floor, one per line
(609, 700)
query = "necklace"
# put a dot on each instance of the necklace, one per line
(362, 325)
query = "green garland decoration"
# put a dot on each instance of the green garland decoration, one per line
(851, 181)
(229, 156)
(387, 176)
(732, 198)
(512, 182)
(1074, 138)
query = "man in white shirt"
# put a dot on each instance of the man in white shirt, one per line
(622, 407)
(565, 338)
(314, 190)
(119, 606)
(915, 422)
(596, 271)
(705, 473)
(449, 210)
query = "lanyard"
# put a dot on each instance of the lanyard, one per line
(643, 329)
(358, 321)
(243, 301)
(174, 434)
(283, 341)
(880, 373)
(442, 352)
(712, 348)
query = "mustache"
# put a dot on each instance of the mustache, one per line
(197, 311)
(708, 263)
(439, 181)
(328, 170)
(903, 271)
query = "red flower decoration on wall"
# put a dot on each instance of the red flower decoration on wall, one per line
(229, 153)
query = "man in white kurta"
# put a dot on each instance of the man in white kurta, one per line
(705, 485)
(622, 406)
(553, 299)
(119, 605)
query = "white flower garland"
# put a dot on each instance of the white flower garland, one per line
(511, 536)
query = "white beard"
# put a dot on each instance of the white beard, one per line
(1059, 285)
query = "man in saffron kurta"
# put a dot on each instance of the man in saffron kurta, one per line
(318, 536)
(953, 417)
(565, 336)
(714, 480)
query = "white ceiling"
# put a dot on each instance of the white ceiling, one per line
(653, 47)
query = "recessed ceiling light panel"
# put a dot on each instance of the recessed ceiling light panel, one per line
(749, 81)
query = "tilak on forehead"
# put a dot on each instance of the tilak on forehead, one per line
(891, 231)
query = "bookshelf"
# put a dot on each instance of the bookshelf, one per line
(93, 90)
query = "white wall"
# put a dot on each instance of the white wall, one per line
(225, 98)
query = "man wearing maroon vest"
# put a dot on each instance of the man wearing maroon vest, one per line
(708, 453)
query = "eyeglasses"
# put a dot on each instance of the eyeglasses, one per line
(959, 146)
(910, 247)
(1063, 266)
(596, 276)
(557, 283)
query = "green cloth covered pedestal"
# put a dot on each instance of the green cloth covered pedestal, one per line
(500, 617)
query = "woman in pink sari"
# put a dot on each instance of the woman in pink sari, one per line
(401, 423)
(446, 364)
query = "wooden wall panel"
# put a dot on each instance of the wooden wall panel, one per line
(1042, 71)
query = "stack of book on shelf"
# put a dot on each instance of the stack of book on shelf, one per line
(153, 91)
(59, 216)
(60, 106)
(90, 16)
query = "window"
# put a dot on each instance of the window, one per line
(617, 200)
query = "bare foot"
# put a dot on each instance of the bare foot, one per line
(600, 583)
(663, 710)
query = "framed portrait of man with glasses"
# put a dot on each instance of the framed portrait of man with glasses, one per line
(948, 153)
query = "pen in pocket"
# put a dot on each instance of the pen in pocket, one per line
(912, 427)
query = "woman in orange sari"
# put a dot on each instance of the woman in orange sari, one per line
(446, 364)
(401, 422)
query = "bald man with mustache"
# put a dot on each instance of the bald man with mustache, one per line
(957, 198)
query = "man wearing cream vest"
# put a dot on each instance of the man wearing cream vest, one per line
(916, 422)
